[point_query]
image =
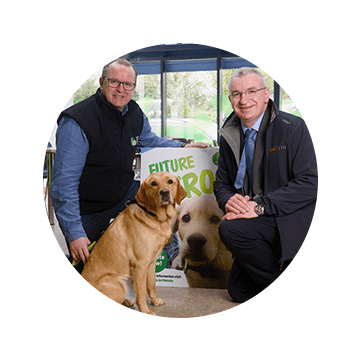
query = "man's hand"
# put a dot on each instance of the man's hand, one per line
(78, 249)
(239, 207)
(197, 145)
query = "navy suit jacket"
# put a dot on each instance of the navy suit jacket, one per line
(289, 173)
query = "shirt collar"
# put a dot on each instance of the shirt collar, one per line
(125, 109)
(256, 125)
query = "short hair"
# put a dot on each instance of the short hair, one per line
(244, 71)
(120, 61)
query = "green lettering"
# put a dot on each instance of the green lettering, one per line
(211, 178)
(166, 165)
(190, 162)
(174, 165)
(152, 168)
(182, 162)
(189, 181)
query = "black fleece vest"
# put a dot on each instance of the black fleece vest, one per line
(112, 138)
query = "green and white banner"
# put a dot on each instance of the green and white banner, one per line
(195, 167)
(193, 259)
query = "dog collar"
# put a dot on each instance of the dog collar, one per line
(141, 206)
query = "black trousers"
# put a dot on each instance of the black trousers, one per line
(255, 244)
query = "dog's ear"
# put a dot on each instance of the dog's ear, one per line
(174, 222)
(181, 192)
(141, 195)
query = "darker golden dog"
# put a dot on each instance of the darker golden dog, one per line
(131, 244)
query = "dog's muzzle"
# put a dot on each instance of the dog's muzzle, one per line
(165, 196)
(196, 244)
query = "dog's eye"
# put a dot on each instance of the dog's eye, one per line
(170, 181)
(186, 218)
(214, 219)
(153, 183)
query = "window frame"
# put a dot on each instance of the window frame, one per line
(191, 58)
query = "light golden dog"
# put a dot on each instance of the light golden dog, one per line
(206, 259)
(131, 244)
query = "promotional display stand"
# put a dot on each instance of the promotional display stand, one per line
(196, 170)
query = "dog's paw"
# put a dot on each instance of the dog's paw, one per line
(150, 313)
(146, 311)
(128, 303)
(156, 301)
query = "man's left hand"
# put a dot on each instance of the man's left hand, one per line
(197, 145)
(246, 215)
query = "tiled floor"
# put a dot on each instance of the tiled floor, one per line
(179, 302)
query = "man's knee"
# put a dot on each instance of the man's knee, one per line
(235, 231)
(224, 231)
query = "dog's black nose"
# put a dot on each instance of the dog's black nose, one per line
(165, 192)
(196, 242)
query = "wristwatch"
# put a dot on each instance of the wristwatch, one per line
(259, 209)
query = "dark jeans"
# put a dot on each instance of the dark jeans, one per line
(172, 251)
(255, 244)
(95, 224)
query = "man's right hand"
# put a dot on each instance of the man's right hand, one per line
(78, 249)
(238, 204)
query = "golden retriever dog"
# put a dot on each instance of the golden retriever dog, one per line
(206, 260)
(131, 244)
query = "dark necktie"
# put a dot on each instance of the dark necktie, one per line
(247, 159)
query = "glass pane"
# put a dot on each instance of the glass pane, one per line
(287, 104)
(148, 97)
(226, 108)
(191, 106)
(88, 88)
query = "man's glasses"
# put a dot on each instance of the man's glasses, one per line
(248, 93)
(114, 83)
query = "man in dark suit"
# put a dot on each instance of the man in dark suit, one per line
(266, 183)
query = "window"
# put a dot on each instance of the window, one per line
(148, 95)
(287, 104)
(191, 106)
(182, 79)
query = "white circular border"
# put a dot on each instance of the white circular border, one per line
(187, 320)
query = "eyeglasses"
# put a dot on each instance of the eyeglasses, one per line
(114, 83)
(248, 93)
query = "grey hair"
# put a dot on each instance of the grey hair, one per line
(120, 61)
(244, 71)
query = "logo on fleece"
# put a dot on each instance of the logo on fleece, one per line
(134, 140)
(278, 148)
